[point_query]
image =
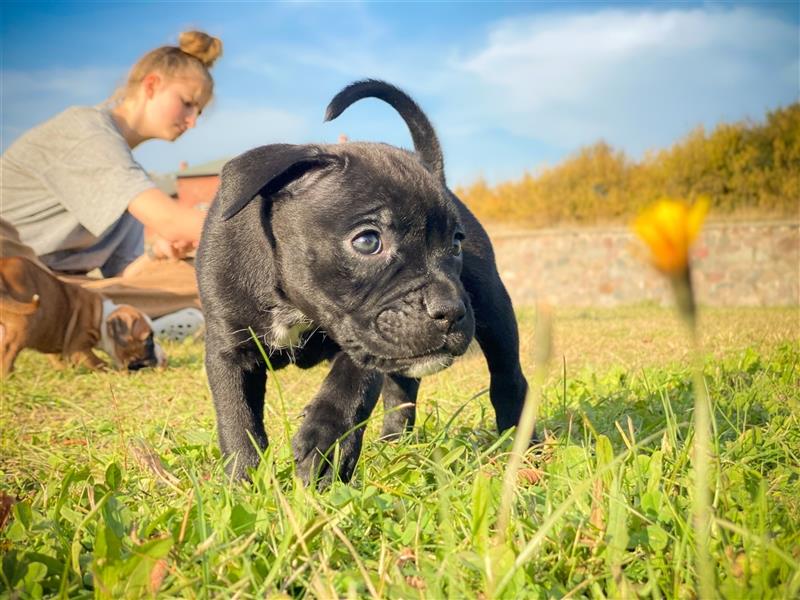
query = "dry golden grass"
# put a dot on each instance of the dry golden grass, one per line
(645, 336)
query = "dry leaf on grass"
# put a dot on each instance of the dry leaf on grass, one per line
(406, 555)
(74, 442)
(157, 575)
(415, 582)
(205, 544)
(597, 516)
(148, 459)
(137, 541)
(6, 504)
(738, 561)
(529, 476)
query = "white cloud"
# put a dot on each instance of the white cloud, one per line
(630, 76)
(508, 93)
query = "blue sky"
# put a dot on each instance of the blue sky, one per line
(509, 86)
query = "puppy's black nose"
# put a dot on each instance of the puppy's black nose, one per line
(446, 311)
(143, 363)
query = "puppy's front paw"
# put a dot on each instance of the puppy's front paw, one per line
(397, 423)
(315, 453)
(239, 465)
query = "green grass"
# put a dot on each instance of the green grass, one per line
(116, 487)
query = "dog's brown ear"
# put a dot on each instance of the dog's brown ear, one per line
(119, 327)
(264, 171)
(141, 329)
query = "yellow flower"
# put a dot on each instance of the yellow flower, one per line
(669, 228)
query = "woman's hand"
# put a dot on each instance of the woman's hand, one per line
(164, 249)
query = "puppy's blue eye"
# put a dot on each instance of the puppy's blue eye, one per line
(457, 239)
(368, 242)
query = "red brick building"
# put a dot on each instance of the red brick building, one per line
(191, 186)
(197, 186)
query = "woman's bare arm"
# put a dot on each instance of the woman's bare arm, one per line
(167, 218)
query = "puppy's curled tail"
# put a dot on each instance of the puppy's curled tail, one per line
(422, 133)
(14, 306)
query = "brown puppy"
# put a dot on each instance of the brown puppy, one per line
(39, 311)
(126, 335)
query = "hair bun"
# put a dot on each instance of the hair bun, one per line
(205, 48)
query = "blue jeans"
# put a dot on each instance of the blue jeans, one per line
(116, 248)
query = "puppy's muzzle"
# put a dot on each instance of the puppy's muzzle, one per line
(151, 356)
(445, 306)
(423, 331)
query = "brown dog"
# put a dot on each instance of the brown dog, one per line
(39, 311)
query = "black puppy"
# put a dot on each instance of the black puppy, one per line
(359, 254)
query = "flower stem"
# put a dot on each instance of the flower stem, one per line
(702, 458)
(684, 298)
(527, 420)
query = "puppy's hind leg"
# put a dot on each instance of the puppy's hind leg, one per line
(88, 359)
(57, 362)
(239, 404)
(399, 405)
(498, 337)
(10, 347)
(345, 400)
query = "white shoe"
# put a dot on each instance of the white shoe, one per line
(179, 325)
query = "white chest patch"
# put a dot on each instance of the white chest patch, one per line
(287, 329)
(284, 336)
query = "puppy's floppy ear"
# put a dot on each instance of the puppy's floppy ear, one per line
(119, 327)
(141, 328)
(266, 170)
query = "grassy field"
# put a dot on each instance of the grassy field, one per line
(111, 484)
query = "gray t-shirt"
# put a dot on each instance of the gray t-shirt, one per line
(66, 184)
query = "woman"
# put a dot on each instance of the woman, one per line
(74, 197)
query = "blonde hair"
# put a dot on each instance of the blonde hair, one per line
(195, 51)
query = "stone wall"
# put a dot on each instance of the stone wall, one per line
(735, 264)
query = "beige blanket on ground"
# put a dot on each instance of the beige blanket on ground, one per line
(155, 286)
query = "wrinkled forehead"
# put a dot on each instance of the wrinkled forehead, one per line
(392, 189)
